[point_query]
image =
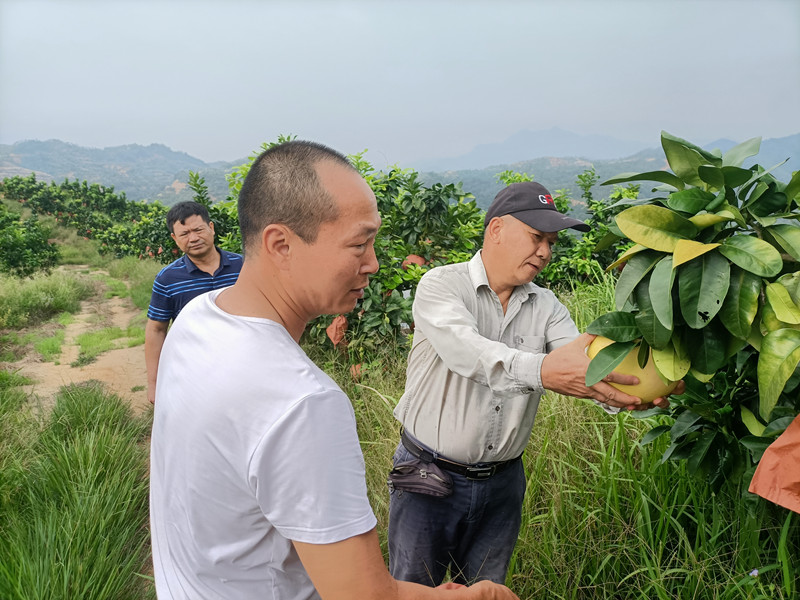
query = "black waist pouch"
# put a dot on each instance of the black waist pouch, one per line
(421, 478)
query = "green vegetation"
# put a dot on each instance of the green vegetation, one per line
(712, 285)
(73, 499)
(35, 300)
(139, 275)
(24, 248)
(94, 343)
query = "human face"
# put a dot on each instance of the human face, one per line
(194, 237)
(333, 271)
(526, 250)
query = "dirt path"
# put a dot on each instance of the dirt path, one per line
(122, 370)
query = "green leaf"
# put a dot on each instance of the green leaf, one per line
(700, 450)
(685, 158)
(741, 302)
(635, 249)
(713, 176)
(655, 227)
(778, 426)
(736, 155)
(780, 353)
(752, 254)
(635, 270)
(707, 348)
(661, 281)
(791, 281)
(733, 214)
(660, 176)
(617, 325)
(653, 434)
(691, 201)
(771, 201)
(788, 236)
(686, 250)
(702, 286)
(654, 333)
(605, 361)
(792, 188)
(750, 421)
(734, 176)
(780, 302)
(684, 424)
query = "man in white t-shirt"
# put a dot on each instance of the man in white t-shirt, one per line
(257, 477)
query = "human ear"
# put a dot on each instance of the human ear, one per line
(495, 228)
(276, 242)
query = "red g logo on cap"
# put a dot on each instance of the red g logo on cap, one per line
(545, 198)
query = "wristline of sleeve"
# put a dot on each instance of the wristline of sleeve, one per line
(527, 369)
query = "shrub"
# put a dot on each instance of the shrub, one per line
(712, 285)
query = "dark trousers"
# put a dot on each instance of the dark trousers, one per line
(472, 532)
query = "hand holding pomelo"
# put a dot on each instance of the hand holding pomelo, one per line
(651, 384)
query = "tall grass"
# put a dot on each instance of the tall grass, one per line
(139, 274)
(25, 302)
(73, 503)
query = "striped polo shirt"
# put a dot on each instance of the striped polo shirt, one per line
(180, 281)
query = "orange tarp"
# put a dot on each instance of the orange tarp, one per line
(777, 477)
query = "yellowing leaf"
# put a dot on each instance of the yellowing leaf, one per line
(701, 377)
(779, 356)
(671, 362)
(686, 250)
(709, 219)
(753, 425)
(655, 227)
(636, 248)
(780, 301)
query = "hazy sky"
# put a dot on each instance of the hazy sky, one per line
(406, 80)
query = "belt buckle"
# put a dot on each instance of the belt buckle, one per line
(480, 473)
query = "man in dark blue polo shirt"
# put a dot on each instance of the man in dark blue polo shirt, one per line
(202, 268)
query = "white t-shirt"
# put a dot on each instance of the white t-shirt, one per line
(252, 446)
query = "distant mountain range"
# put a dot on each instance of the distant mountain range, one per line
(553, 157)
(526, 145)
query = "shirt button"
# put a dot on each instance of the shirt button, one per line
(490, 446)
(497, 408)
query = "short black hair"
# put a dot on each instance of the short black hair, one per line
(283, 187)
(183, 210)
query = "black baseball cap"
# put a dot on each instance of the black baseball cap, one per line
(532, 204)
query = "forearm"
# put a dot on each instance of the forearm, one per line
(354, 568)
(154, 335)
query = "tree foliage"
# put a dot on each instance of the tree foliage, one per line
(713, 283)
(24, 247)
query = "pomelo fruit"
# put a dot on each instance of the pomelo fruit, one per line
(651, 384)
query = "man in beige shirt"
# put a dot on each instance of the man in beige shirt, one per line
(487, 344)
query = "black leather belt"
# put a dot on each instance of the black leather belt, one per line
(474, 472)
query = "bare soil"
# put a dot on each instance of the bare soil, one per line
(122, 370)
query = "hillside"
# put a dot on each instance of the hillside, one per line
(156, 172)
(560, 173)
(153, 172)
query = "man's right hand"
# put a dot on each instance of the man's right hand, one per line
(564, 372)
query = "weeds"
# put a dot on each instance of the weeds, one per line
(75, 509)
(26, 302)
